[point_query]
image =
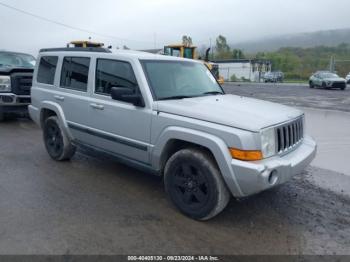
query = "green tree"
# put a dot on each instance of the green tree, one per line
(238, 54)
(222, 48)
(300, 63)
(187, 40)
(221, 44)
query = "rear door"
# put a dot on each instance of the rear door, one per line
(73, 94)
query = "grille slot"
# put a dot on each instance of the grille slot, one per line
(289, 135)
(339, 85)
(21, 83)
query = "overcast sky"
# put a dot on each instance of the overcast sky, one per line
(149, 23)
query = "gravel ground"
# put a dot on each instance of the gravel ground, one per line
(93, 205)
(294, 95)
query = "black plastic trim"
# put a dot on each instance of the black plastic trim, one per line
(108, 137)
(77, 49)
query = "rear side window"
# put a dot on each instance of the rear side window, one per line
(47, 69)
(75, 73)
(112, 73)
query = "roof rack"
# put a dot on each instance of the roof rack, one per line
(77, 49)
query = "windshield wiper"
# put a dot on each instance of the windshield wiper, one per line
(213, 93)
(175, 97)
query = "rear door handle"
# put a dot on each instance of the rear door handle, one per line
(97, 106)
(59, 98)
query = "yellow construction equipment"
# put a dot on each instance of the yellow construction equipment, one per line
(190, 52)
(181, 50)
(85, 44)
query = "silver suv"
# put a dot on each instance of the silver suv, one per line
(167, 116)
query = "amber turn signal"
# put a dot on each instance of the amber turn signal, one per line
(246, 155)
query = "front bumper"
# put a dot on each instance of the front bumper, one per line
(255, 177)
(336, 84)
(10, 99)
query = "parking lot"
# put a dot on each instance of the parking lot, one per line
(93, 205)
(327, 117)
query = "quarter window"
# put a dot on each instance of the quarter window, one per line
(47, 69)
(75, 73)
(111, 73)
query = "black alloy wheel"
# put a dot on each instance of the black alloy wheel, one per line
(53, 139)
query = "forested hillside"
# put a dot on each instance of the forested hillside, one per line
(300, 63)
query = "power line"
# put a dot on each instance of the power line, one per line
(68, 26)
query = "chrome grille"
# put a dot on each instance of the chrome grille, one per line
(289, 135)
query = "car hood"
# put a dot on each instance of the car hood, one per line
(9, 70)
(334, 79)
(230, 110)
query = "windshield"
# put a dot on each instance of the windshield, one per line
(17, 60)
(180, 79)
(329, 75)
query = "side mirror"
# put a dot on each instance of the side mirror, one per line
(127, 95)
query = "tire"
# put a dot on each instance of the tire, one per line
(194, 184)
(56, 141)
(2, 116)
(311, 85)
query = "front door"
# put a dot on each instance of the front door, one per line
(119, 127)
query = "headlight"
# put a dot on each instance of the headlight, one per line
(268, 142)
(5, 84)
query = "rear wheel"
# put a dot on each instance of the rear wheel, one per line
(311, 84)
(56, 141)
(195, 185)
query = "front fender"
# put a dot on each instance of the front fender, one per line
(216, 145)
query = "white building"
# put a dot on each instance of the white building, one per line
(243, 69)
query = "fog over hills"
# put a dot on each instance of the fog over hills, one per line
(304, 40)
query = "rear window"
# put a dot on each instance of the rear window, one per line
(75, 73)
(47, 69)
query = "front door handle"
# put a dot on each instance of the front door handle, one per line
(97, 106)
(59, 98)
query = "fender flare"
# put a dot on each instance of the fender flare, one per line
(213, 143)
(55, 107)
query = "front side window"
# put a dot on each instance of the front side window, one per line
(112, 73)
(180, 79)
(47, 69)
(75, 73)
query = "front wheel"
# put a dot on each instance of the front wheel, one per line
(195, 185)
(2, 116)
(311, 85)
(56, 141)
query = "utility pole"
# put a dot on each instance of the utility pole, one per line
(211, 50)
(332, 64)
